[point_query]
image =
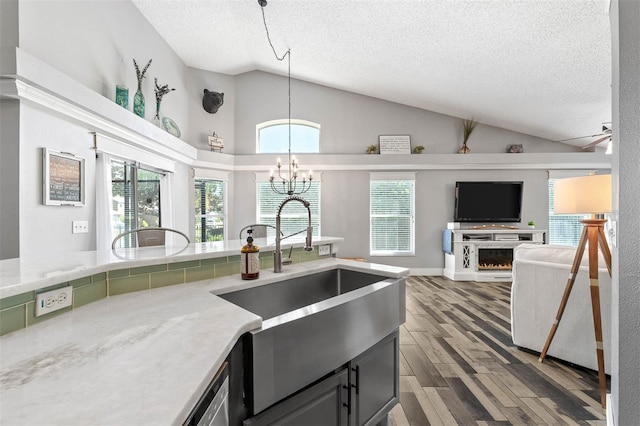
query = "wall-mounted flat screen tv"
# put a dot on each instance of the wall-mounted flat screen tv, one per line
(488, 201)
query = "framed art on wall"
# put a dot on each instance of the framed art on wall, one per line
(62, 178)
(395, 144)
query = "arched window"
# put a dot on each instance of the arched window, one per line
(273, 137)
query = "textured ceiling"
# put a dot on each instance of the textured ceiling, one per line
(540, 67)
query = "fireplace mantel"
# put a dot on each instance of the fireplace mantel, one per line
(462, 246)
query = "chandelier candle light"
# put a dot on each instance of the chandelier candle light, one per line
(290, 182)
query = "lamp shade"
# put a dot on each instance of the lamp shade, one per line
(582, 195)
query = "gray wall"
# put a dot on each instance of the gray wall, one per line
(625, 309)
(8, 35)
(9, 179)
(203, 124)
(351, 122)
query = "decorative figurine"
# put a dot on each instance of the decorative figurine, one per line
(160, 92)
(211, 101)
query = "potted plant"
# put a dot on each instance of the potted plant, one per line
(418, 149)
(531, 224)
(467, 129)
(372, 149)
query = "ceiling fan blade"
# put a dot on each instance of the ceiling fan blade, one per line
(583, 137)
(596, 142)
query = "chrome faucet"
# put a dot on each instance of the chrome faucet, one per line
(277, 254)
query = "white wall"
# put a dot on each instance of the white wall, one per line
(94, 42)
(43, 228)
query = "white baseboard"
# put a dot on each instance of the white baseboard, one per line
(426, 271)
(610, 420)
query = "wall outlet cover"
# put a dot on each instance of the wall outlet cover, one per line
(53, 300)
(324, 250)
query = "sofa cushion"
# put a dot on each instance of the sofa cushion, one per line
(562, 255)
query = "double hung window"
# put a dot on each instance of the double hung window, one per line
(392, 214)
(294, 217)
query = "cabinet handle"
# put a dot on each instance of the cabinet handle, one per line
(357, 385)
(348, 404)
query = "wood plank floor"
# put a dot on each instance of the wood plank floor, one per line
(458, 364)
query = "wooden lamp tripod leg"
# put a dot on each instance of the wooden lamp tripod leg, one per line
(567, 291)
(593, 232)
(594, 241)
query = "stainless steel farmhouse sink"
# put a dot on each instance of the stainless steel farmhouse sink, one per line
(313, 325)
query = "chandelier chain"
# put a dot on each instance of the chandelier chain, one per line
(291, 182)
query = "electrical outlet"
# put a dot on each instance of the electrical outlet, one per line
(53, 300)
(324, 250)
(80, 227)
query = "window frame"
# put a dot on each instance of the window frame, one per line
(393, 177)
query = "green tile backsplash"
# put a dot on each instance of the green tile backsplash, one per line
(18, 311)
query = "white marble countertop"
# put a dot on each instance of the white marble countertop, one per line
(137, 358)
(24, 274)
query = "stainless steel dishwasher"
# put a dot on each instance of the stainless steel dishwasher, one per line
(213, 407)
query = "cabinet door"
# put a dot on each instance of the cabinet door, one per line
(375, 382)
(325, 403)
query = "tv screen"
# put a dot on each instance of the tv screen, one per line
(488, 201)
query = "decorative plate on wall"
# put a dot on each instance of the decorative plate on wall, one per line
(170, 126)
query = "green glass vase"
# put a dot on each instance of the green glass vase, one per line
(138, 103)
(122, 96)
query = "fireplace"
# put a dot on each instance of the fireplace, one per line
(495, 259)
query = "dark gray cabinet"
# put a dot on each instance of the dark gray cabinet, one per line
(375, 382)
(325, 403)
(360, 393)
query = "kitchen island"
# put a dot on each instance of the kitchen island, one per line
(142, 357)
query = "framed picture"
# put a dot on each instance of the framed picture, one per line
(63, 178)
(395, 144)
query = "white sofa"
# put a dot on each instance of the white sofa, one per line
(540, 274)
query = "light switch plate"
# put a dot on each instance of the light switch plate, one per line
(80, 227)
(53, 300)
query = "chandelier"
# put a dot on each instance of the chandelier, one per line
(290, 181)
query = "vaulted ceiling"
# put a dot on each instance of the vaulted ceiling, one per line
(539, 67)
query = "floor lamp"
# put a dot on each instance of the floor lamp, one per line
(586, 194)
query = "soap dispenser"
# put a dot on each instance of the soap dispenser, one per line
(249, 258)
